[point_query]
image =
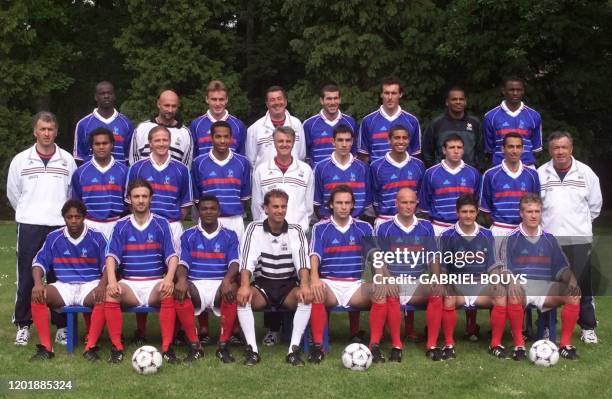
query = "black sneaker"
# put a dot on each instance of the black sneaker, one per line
(377, 356)
(237, 340)
(316, 354)
(194, 353)
(91, 354)
(359, 337)
(448, 352)
(170, 357)
(395, 355)
(42, 354)
(251, 358)
(568, 352)
(434, 354)
(137, 339)
(519, 353)
(224, 354)
(498, 351)
(116, 356)
(294, 357)
(204, 338)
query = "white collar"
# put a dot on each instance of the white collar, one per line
(144, 226)
(161, 167)
(222, 162)
(531, 238)
(397, 164)
(330, 122)
(105, 120)
(103, 169)
(342, 229)
(510, 173)
(75, 241)
(450, 170)
(211, 235)
(390, 117)
(268, 120)
(338, 164)
(408, 229)
(464, 234)
(223, 118)
(513, 114)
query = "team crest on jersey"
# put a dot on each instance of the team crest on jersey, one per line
(116, 131)
(409, 175)
(150, 237)
(417, 240)
(521, 125)
(167, 180)
(353, 177)
(301, 174)
(523, 187)
(84, 253)
(284, 246)
(468, 127)
(230, 173)
(463, 182)
(217, 247)
(111, 179)
(177, 142)
(352, 240)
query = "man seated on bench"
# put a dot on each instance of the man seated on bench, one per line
(75, 254)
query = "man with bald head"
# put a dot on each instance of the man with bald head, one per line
(181, 142)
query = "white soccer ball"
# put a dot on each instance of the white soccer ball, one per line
(146, 360)
(544, 353)
(357, 357)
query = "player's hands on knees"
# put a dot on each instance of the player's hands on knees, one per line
(166, 288)
(379, 291)
(113, 290)
(180, 289)
(244, 295)
(304, 294)
(437, 289)
(39, 293)
(393, 290)
(317, 288)
(227, 291)
(573, 289)
(99, 293)
(515, 290)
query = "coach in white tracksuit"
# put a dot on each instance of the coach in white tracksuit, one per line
(572, 199)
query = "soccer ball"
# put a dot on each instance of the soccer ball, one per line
(357, 357)
(544, 353)
(146, 360)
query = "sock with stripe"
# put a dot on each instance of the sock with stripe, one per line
(40, 317)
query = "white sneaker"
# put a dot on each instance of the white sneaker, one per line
(23, 335)
(271, 338)
(61, 337)
(589, 337)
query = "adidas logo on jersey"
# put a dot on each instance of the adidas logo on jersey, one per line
(132, 239)
(94, 180)
(446, 182)
(393, 176)
(200, 246)
(324, 133)
(506, 186)
(66, 252)
(213, 173)
(505, 124)
(335, 177)
(335, 241)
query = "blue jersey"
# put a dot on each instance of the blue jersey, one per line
(329, 174)
(200, 130)
(118, 123)
(480, 247)
(72, 260)
(171, 186)
(101, 189)
(500, 121)
(208, 256)
(229, 180)
(319, 133)
(388, 177)
(537, 258)
(442, 186)
(417, 240)
(142, 252)
(340, 250)
(374, 132)
(501, 192)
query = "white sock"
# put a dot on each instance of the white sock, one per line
(247, 323)
(300, 322)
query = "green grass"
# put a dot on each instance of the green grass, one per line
(473, 375)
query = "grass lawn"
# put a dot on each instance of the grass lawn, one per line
(474, 374)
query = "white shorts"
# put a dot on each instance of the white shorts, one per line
(439, 227)
(176, 228)
(105, 228)
(343, 289)
(381, 219)
(234, 223)
(142, 289)
(499, 231)
(207, 290)
(74, 294)
(536, 292)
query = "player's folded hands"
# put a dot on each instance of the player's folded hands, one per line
(318, 290)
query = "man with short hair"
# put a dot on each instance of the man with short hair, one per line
(105, 116)
(37, 185)
(571, 197)
(216, 99)
(318, 129)
(260, 141)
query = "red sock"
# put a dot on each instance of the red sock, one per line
(498, 321)
(449, 322)
(569, 317)
(237, 326)
(516, 314)
(409, 323)
(354, 322)
(203, 321)
(97, 321)
(141, 324)
(394, 321)
(433, 316)
(114, 323)
(87, 318)
(167, 319)
(470, 320)
(184, 312)
(318, 320)
(378, 315)
(40, 317)
(228, 318)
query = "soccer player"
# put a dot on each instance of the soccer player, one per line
(275, 253)
(474, 244)
(181, 142)
(406, 231)
(373, 131)
(319, 128)
(100, 183)
(455, 120)
(225, 174)
(289, 174)
(207, 272)
(260, 141)
(336, 252)
(445, 182)
(104, 116)
(216, 99)
(75, 254)
(571, 197)
(535, 254)
(37, 185)
(512, 116)
(342, 168)
(141, 249)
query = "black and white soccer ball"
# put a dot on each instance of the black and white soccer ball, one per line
(146, 360)
(544, 353)
(357, 357)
